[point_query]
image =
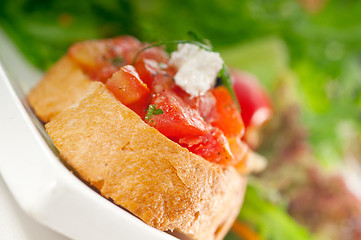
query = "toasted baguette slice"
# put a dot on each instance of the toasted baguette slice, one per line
(138, 168)
(63, 85)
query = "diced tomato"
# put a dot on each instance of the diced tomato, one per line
(253, 99)
(227, 117)
(178, 119)
(101, 58)
(125, 47)
(213, 146)
(240, 152)
(205, 105)
(129, 89)
(101, 74)
(150, 62)
(161, 82)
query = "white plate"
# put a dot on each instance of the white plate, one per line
(15, 224)
(39, 182)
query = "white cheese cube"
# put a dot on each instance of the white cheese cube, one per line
(197, 68)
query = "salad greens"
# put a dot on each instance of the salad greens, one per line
(319, 44)
(269, 221)
(44, 30)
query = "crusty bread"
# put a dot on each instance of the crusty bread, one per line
(137, 167)
(63, 85)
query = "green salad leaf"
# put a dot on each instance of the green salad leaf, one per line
(270, 221)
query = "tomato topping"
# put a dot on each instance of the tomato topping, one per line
(101, 58)
(209, 125)
(240, 152)
(129, 89)
(162, 82)
(227, 117)
(151, 62)
(213, 146)
(181, 122)
(125, 47)
(253, 99)
(178, 119)
(205, 104)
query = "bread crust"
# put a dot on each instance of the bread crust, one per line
(62, 86)
(138, 168)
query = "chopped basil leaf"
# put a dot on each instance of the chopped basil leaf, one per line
(152, 110)
(158, 111)
(168, 43)
(204, 41)
(118, 61)
(225, 78)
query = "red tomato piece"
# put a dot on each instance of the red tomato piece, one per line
(213, 146)
(125, 47)
(240, 152)
(227, 117)
(151, 62)
(101, 58)
(204, 104)
(161, 82)
(253, 99)
(178, 119)
(129, 89)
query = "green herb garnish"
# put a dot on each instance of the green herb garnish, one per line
(224, 77)
(168, 43)
(196, 37)
(201, 43)
(117, 61)
(152, 110)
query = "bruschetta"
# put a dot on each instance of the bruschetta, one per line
(152, 133)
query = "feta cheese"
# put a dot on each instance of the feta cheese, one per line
(197, 68)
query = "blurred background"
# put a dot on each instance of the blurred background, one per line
(306, 53)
